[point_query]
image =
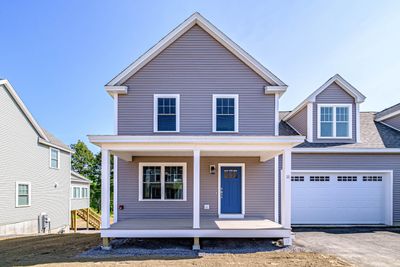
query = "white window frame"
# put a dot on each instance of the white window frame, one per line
(214, 112)
(163, 165)
(58, 158)
(334, 106)
(87, 189)
(17, 194)
(177, 112)
(73, 189)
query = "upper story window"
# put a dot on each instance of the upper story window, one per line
(166, 113)
(226, 113)
(23, 194)
(334, 121)
(54, 158)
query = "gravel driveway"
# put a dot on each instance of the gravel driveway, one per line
(360, 246)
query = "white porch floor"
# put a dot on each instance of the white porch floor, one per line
(205, 223)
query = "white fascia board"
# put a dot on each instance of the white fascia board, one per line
(195, 139)
(346, 150)
(194, 19)
(275, 89)
(81, 178)
(116, 89)
(388, 116)
(24, 109)
(47, 143)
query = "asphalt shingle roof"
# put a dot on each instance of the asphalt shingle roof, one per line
(388, 111)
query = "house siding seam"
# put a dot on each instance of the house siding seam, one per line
(196, 66)
(259, 189)
(299, 121)
(302, 161)
(393, 122)
(23, 159)
(334, 94)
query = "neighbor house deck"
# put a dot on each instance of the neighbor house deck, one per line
(209, 227)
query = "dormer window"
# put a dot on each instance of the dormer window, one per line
(334, 121)
(166, 113)
(225, 113)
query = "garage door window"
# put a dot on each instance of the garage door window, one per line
(297, 178)
(372, 178)
(347, 178)
(319, 178)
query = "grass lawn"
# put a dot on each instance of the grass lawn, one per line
(52, 250)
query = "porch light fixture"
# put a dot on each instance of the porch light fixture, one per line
(212, 169)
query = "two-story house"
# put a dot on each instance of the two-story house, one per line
(201, 150)
(35, 173)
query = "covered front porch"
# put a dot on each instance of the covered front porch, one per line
(263, 148)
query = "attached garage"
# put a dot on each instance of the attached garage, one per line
(342, 197)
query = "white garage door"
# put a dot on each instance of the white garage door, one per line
(341, 198)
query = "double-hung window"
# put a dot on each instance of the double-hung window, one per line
(226, 113)
(76, 192)
(166, 113)
(85, 192)
(54, 158)
(162, 181)
(334, 121)
(23, 194)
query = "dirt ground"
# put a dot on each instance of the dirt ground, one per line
(56, 250)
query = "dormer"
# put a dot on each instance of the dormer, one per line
(330, 114)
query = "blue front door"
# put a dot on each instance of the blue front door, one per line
(231, 190)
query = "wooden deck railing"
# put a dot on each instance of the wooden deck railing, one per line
(91, 217)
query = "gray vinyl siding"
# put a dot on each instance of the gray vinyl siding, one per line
(354, 162)
(393, 122)
(259, 189)
(334, 94)
(81, 203)
(299, 121)
(196, 66)
(22, 159)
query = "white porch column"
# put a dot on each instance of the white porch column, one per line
(196, 189)
(105, 188)
(286, 189)
(115, 208)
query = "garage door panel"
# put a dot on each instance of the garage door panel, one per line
(343, 198)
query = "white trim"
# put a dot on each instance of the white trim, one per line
(196, 19)
(277, 114)
(177, 112)
(389, 189)
(47, 143)
(114, 90)
(334, 106)
(162, 165)
(196, 189)
(24, 109)
(58, 158)
(17, 194)
(198, 139)
(115, 208)
(346, 150)
(286, 189)
(358, 96)
(358, 127)
(242, 233)
(275, 89)
(115, 113)
(243, 201)
(310, 121)
(105, 188)
(388, 116)
(214, 112)
(276, 189)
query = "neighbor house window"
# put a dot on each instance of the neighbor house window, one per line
(54, 158)
(85, 192)
(334, 121)
(162, 181)
(76, 192)
(166, 113)
(225, 113)
(23, 194)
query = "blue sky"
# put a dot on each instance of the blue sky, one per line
(59, 54)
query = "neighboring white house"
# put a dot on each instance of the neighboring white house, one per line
(35, 172)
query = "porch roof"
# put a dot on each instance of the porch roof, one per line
(128, 146)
